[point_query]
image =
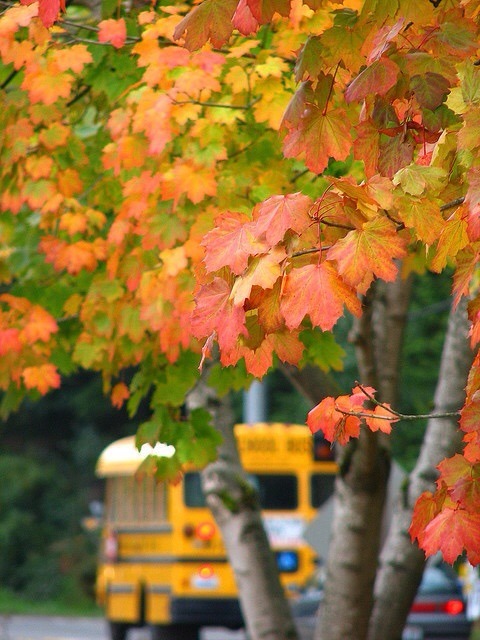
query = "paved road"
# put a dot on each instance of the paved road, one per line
(60, 628)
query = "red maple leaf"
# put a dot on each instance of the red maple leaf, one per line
(377, 79)
(452, 531)
(215, 311)
(318, 291)
(278, 214)
(232, 242)
(320, 135)
(48, 10)
(210, 20)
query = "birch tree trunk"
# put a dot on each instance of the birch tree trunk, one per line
(401, 562)
(237, 513)
(361, 486)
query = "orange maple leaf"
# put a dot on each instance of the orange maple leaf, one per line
(43, 378)
(369, 251)
(195, 181)
(119, 394)
(113, 31)
(335, 425)
(318, 291)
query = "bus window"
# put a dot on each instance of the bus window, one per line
(276, 492)
(321, 488)
(131, 500)
(192, 490)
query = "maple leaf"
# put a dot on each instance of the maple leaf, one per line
(462, 479)
(48, 10)
(263, 271)
(371, 249)
(42, 377)
(470, 415)
(427, 506)
(452, 531)
(215, 311)
(467, 261)
(119, 394)
(232, 242)
(40, 325)
(335, 426)
(320, 135)
(243, 19)
(453, 238)
(430, 89)
(263, 10)
(210, 20)
(378, 79)
(47, 86)
(113, 31)
(278, 214)
(381, 419)
(10, 341)
(422, 215)
(195, 181)
(318, 291)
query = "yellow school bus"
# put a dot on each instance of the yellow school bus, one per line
(162, 561)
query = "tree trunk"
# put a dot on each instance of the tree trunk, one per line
(229, 496)
(361, 486)
(402, 563)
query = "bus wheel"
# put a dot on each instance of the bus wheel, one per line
(118, 630)
(176, 632)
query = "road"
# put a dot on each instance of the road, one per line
(61, 628)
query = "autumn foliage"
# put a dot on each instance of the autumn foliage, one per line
(169, 183)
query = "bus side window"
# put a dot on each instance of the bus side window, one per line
(192, 490)
(321, 488)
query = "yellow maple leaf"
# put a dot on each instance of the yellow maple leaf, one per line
(194, 181)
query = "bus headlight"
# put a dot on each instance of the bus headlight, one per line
(287, 561)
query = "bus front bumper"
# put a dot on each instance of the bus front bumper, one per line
(217, 612)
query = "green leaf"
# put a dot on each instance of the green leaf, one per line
(177, 380)
(322, 350)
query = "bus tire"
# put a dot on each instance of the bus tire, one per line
(176, 632)
(118, 630)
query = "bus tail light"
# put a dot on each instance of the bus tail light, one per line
(111, 547)
(205, 531)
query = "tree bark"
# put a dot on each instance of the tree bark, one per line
(361, 486)
(237, 513)
(401, 562)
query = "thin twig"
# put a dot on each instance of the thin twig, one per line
(454, 203)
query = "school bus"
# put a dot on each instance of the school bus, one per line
(162, 560)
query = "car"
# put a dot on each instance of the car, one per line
(438, 611)
(439, 608)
